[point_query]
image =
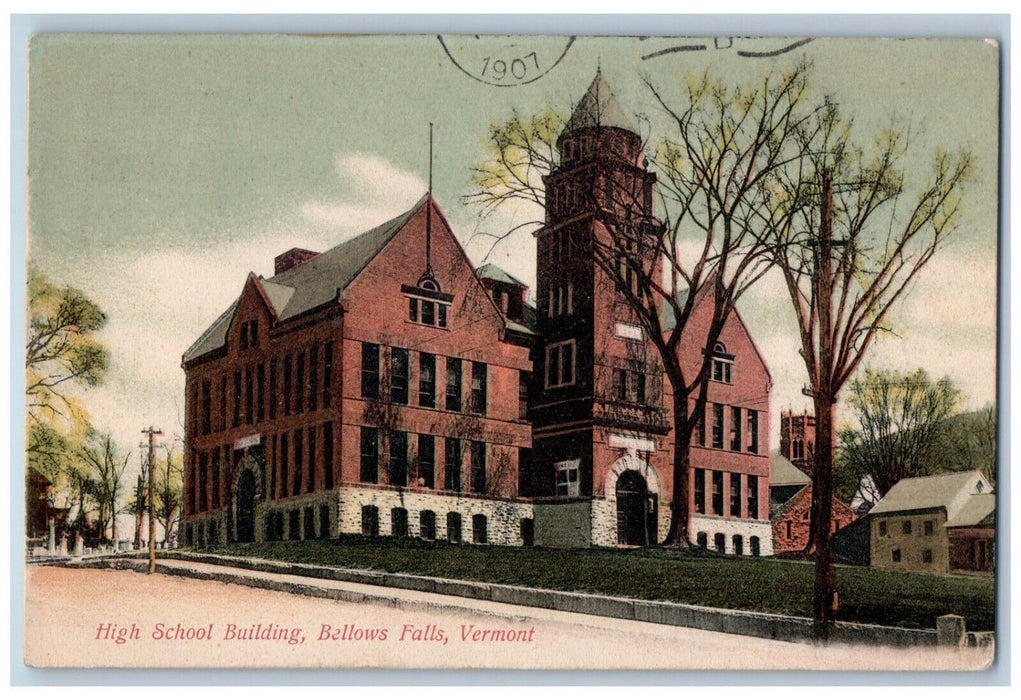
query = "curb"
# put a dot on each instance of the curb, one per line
(747, 623)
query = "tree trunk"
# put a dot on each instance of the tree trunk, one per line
(824, 598)
(680, 514)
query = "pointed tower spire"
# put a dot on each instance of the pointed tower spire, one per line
(599, 107)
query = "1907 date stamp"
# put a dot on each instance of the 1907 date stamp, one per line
(506, 61)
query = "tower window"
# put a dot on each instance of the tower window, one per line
(567, 478)
(560, 364)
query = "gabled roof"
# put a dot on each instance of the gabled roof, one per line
(311, 284)
(599, 108)
(489, 271)
(975, 511)
(950, 491)
(784, 473)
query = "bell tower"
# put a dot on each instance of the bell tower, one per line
(597, 393)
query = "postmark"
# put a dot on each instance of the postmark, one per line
(508, 61)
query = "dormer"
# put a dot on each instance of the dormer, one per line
(507, 291)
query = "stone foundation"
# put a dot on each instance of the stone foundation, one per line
(728, 527)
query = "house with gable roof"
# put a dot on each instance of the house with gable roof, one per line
(935, 523)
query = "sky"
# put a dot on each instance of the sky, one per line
(163, 169)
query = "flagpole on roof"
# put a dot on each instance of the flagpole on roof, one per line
(429, 208)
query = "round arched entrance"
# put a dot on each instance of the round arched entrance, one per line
(636, 514)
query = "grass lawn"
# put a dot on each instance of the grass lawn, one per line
(745, 583)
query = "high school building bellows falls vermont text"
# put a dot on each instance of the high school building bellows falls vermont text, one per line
(388, 387)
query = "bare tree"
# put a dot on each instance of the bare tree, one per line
(168, 491)
(722, 149)
(900, 417)
(864, 229)
(105, 479)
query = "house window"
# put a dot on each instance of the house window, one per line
(216, 479)
(427, 380)
(753, 431)
(929, 527)
(789, 527)
(717, 493)
(274, 463)
(273, 398)
(370, 521)
(311, 484)
(398, 458)
(753, 497)
(718, 426)
(370, 371)
(399, 522)
(735, 428)
(427, 312)
(479, 388)
(260, 382)
(567, 478)
(453, 384)
(207, 407)
(427, 460)
(735, 495)
(285, 467)
(895, 555)
(253, 330)
(700, 490)
(480, 529)
(478, 457)
(237, 399)
(223, 402)
(701, 428)
(452, 464)
(723, 364)
(882, 528)
(906, 527)
(369, 455)
(453, 527)
(926, 556)
(427, 525)
(248, 396)
(399, 375)
(560, 364)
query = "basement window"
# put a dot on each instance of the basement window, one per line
(567, 477)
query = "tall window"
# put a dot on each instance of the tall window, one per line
(398, 458)
(328, 454)
(216, 479)
(427, 460)
(328, 375)
(311, 484)
(717, 493)
(753, 496)
(567, 478)
(370, 371)
(478, 455)
(260, 382)
(735, 428)
(287, 385)
(370, 455)
(480, 529)
(249, 396)
(561, 301)
(452, 464)
(273, 396)
(718, 426)
(274, 466)
(313, 379)
(203, 482)
(700, 490)
(735, 495)
(399, 375)
(223, 402)
(298, 459)
(207, 407)
(285, 468)
(701, 428)
(453, 384)
(753, 431)
(299, 382)
(479, 389)
(522, 395)
(453, 527)
(560, 364)
(237, 398)
(427, 380)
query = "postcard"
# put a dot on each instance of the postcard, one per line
(511, 352)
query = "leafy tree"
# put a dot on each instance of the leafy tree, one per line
(62, 350)
(965, 442)
(723, 145)
(900, 416)
(864, 228)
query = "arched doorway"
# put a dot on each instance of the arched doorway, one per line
(636, 510)
(246, 506)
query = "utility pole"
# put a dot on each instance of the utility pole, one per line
(152, 433)
(140, 496)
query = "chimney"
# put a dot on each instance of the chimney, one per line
(291, 259)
